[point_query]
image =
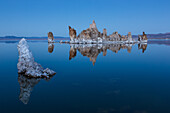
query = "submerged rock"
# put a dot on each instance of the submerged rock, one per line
(50, 37)
(26, 64)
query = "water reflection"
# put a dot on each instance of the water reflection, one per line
(26, 86)
(50, 47)
(142, 46)
(93, 50)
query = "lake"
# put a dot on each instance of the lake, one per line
(89, 79)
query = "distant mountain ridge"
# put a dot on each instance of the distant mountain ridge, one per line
(32, 38)
(156, 36)
(150, 36)
(16, 37)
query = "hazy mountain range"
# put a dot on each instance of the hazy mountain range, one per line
(156, 36)
(31, 38)
(150, 36)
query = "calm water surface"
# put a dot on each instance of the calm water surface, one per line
(88, 80)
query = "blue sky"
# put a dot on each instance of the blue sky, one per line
(38, 17)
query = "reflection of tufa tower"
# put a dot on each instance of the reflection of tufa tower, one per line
(72, 53)
(92, 51)
(142, 46)
(26, 87)
(50, 47)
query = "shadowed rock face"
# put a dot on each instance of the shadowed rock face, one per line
(72, 33)
(50, 37)
(93, 50)
(26, 86)
(92, 35)
(50, 47)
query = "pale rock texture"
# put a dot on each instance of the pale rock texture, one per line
(26, 64)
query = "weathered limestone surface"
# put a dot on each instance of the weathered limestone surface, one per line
(26, 64)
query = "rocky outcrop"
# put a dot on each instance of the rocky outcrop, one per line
(129, 37)
(50, 37)
(72, 33)
(92, 35)
(26, 64)
(89, 35)
(104, 34)
(142, 38)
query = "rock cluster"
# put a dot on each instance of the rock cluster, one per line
(50, 37)
(26, 64)
(92, 35)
